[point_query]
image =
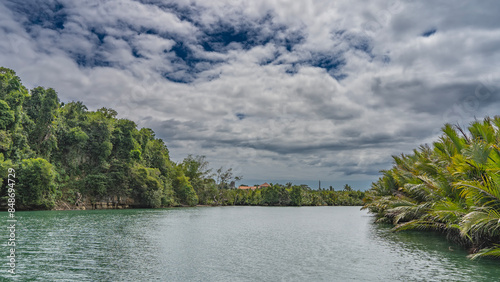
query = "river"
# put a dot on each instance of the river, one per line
(231, 244)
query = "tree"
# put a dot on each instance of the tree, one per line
(183, 188)
(12, 91)
(196, 168)
(36, 186)
(99, 129)
(41, 107)
(148, 186)
(4, 168)
(96, 186)
(296, 196)
(6, 116)
(347, 187)
(71, 144)
(155, 153)
(275, 195)
(124, 142)
(225, 176)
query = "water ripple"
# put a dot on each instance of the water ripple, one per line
(232, 244)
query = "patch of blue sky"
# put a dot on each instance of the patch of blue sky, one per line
(219, 38)
(241, 116)
(47, 15)
(429, 32)
(85, 61)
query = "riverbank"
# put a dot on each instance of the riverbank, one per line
(65, 206)
(275, 195)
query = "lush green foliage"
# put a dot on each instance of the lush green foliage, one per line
(288, 195)
(64, 153)
(36, 186)
(452, 187)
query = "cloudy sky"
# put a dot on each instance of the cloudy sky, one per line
(279, 90)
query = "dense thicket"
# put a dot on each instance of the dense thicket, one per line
(66, 153)
(451, 187)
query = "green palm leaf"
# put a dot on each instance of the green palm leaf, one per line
(487, 252)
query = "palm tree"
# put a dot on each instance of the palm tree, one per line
(452, 187)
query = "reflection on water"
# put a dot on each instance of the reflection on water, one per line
(232, 244)
(428, 256)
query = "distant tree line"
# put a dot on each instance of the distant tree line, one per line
(62, 152)
(290, 195)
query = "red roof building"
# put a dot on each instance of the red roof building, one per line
(245, 187)
(264, 185)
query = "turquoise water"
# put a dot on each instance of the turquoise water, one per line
(231, 244)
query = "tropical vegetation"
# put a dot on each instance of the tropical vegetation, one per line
(451, 187)
(64, 155)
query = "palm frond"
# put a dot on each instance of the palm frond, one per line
(483, 193)
(421, 225)
(487, 252)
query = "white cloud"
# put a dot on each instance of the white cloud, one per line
(271, 106)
